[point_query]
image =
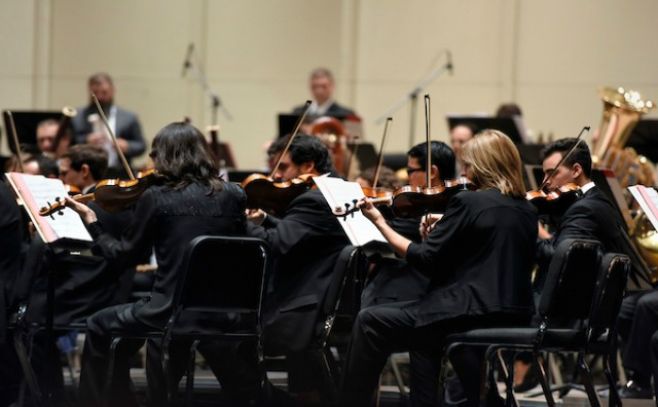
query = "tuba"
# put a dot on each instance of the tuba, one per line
(622, 109)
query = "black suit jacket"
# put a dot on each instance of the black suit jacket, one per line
(10, 242)
(335, 110)
(127, 127)
(305, 244)
(592, 216)
(479, 258)
(169, 219)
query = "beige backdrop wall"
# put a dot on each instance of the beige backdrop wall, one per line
(550, 56)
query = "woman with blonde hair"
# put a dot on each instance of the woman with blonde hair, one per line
(478, 256)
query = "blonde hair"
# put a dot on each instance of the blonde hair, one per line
(495, 163)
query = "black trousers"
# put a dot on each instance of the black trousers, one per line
(638, 341)
(384, 329)
(95, 357)
(234, 364)
(654, 363)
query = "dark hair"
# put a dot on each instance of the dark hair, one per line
(580, 155)
(387, 178)
(509, 110)
(100, 77)
(442, 156)
(95, 158)
(47, 166)
(181, 157)
(305, 149)
(472, 127)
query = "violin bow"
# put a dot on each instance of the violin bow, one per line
(380, 160)
(300, 120)
(428, 166)
(564, 158)
(14, 136)
(124, 162)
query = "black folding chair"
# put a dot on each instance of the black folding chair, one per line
(222, 281)
(339, 306)
(566, 300)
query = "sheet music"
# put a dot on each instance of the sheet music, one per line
(36, 192)
(337, 192)
(648, 200)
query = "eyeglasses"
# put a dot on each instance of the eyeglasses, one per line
(412, 170)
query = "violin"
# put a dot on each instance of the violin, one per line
(274, 196)
(409, 202)
(332, 133)
(556, 201)
(112, 195)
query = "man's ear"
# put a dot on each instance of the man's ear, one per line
(85, 171)
(307, 167)
(577, 170)
(435, 173)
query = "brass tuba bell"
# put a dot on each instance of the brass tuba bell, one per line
(622, 109)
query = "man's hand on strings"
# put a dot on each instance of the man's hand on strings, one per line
(88, 216)
(427, 223)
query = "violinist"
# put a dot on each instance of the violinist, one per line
(305, 243)
(387, 179)
(592, 216)
(478, 257)
(187, 200)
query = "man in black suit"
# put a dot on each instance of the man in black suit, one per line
(593, 216)
(10, 261)
(322, 88)
(393, 279)
(305, 244)
(88, 128)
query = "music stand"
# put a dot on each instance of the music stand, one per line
(26, 126)
(286, 123)
(512, 126)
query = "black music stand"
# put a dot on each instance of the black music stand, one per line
(512, 126)
(26, 126)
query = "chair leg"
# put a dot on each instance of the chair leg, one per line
(510, 401)
(110, 371)
(397, 375)
(507, 368)
(541, 373)
(189, 381)
(587, 380)
(613, 397)
(330, 381)
(28, 372)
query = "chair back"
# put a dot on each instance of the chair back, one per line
(569, 287)
(608, 295)
(223, 275)
(341, 301)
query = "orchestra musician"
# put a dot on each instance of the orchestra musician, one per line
(479, 257)
(393, 279)
(459, 135)
(87, 127)
(322, 85)
(11, 237)
(305, 243)
(46, 138)
(187, 200)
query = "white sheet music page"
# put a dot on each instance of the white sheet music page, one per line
(36, 192)
(357, 227)
(648, 200)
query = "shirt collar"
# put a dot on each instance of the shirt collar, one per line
(587, 187)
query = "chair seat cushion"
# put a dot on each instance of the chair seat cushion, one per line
(523, 337)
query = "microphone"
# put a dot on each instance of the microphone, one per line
(449, 65)
(188, 59)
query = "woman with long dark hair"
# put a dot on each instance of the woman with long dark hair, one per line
(187, 200)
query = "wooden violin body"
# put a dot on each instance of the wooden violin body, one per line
(273, 196)
(554, 202)
(411, 201)
(113, 195)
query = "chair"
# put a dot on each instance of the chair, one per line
(566, 300)
(338, 308)
(223, 276)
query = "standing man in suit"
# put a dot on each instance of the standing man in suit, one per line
(88, 128)
(322, 87)
(305, 244)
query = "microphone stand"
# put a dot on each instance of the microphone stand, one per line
(216, 104)
(412, 98)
